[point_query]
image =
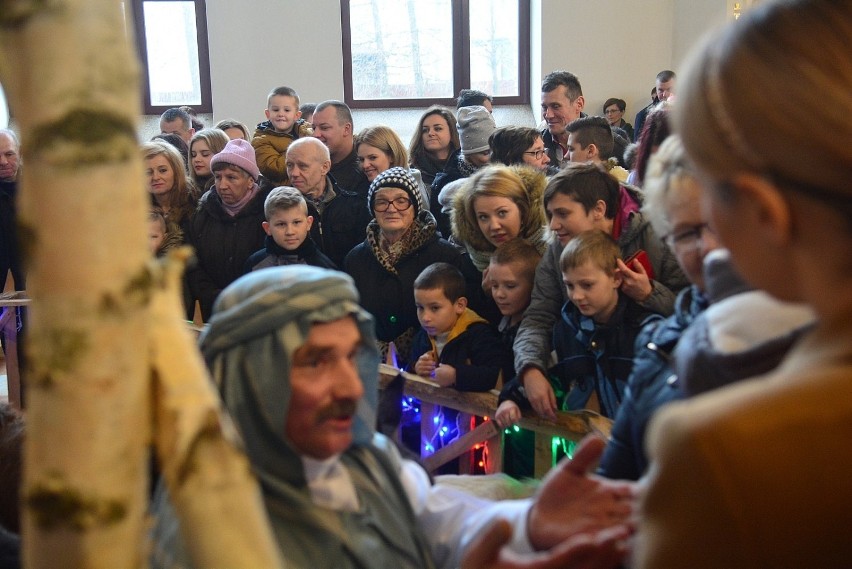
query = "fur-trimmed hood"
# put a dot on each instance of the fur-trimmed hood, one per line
(466, 230)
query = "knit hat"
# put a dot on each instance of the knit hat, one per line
(475, 126)
(238, 152)
(401, 178)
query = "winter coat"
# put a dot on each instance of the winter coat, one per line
(350, 176)
(652, 384)
(473, 348)
(274, 255)
(10, 251)
(222, 245)
(532, 344)
(389, 294)
(592, 358)
(456, 168)
(270, 149)
(342, 223)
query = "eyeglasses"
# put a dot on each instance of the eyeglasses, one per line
(399, 204)
(687, 240)
(537, 154)
(612, 111)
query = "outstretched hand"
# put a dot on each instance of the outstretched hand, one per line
(603, 551)
(572, 501)
(635, 281)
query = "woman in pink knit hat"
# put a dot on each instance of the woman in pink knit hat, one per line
(226, 228)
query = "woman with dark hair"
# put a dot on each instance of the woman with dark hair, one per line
(435, 139)
(613, 110)
(512, 145)
(655, 130)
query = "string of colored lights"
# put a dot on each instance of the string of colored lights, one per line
(445, 433)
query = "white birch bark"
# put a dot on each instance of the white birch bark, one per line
(95, 332)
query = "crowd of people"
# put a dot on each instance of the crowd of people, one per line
(697, 294)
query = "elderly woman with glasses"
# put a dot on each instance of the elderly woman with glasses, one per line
(402, 240)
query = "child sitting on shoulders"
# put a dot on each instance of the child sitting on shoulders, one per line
(288, 238)
(455, 346)
(594, 338)
(163, 236)
(272, 137)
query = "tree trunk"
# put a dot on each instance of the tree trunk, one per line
(101, 325)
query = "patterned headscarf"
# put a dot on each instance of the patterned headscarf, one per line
(259, 321)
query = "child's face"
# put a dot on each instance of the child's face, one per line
(510, 289)
(592, 290)
(283, 112)
(435, 312)
(568, 217)
(156, 235)
(288, 227)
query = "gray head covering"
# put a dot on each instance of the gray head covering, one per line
(475, 125)
(259, 321)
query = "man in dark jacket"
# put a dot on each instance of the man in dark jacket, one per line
(10, 257)
(561, 102)
(340, 216)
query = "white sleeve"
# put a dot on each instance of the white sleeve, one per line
(450, 518)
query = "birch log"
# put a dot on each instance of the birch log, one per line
(96, 326)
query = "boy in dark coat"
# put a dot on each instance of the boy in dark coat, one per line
(288, 239)
(455, 346)
(595, 337)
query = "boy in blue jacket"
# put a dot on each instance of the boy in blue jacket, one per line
(594, 338)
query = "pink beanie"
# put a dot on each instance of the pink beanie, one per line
(238, 152)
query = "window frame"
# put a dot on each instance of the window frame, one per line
(461, 61)
(206, 105)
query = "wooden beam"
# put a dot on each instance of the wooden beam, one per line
(572, 425)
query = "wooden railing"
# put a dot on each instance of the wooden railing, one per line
(572, 425)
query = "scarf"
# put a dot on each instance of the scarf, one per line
(233, 210)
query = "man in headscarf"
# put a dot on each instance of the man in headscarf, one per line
(294, 358)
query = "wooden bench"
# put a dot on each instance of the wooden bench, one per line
(572, 426)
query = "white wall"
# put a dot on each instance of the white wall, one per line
(261, 44)
(615, 47)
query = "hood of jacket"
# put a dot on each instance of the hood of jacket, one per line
(466, 230)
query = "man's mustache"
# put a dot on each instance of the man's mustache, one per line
(342, 409)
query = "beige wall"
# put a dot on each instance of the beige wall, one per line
(615, 47)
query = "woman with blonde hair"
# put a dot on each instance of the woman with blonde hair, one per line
(497, 204)
(380, 148)
(204, 144)
(167, 182)
(757, 474)
(434, 140)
